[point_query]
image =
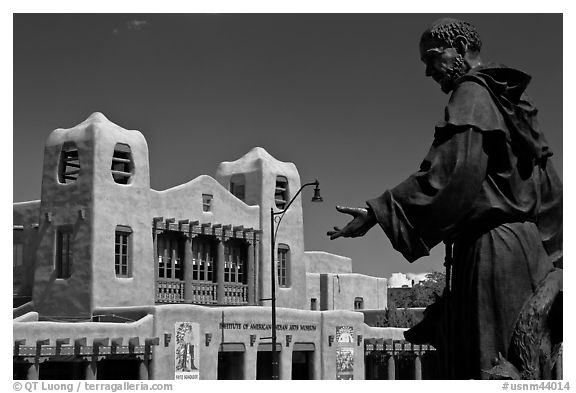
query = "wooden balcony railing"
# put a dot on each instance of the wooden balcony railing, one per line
(169, 291)
(199, 292)
(203, 293)
(235, 293)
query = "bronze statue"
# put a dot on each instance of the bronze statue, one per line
(489, 191)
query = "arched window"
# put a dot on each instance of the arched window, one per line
(283, 265)
(238, 186)
(358, 303)
(281, 192)
(122, 166)
(69, 165)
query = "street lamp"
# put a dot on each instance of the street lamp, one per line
(273, 232)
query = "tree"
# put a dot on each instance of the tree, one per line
(422, 294)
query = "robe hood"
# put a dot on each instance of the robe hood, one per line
(518, 116)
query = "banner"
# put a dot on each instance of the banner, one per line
(345, 352)
(187, 350)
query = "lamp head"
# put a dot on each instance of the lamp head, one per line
(317, 197)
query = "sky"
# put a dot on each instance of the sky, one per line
(342, 96)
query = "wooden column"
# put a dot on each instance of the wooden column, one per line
(418, 367)
(143, 373)
(33, 372)
(174, 256)
(220, 275)
(92, 368)
(391, 367)
(166, 245)
(250, 273)
(155, 251)
(187, 266)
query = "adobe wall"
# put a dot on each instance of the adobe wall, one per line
(324, 262)
(25, 215)
(261, 171)
(126, 205)
(185, 202)
(32, 331)
(70, 204)
(338, 291)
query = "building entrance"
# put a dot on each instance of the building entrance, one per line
(303, 361)
(50, 370)
(231, 361)
(118, 369)
(302, 365)
(264, 360)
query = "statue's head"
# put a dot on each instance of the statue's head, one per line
(449, 48)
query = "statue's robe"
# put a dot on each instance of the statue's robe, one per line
(487, 187)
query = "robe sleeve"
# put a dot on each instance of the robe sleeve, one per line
(429, 206)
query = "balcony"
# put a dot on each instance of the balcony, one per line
(172, 291)
(169, 291)
(202, 293)
(235, 293)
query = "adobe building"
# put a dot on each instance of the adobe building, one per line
(115, 280)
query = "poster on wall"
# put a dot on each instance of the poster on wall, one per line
(344, 352)
(187, 350)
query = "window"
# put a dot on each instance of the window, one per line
(63, 252)
(358, 303)
(170, 252)
(283, 265)
(238, 186)
(122, 165)
(202, 259)
(69, 165)
(313, 304)
(122, 260)
(206, 202)
(235, 261)
(281, 193)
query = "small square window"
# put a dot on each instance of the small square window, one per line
(313, 304)
(207, 202)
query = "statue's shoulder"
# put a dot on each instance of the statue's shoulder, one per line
(469, 91)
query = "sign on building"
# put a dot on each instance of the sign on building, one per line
(344, 352)
(187, 350)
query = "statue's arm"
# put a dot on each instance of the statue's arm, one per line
(421, 211)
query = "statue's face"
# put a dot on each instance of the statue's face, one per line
(443, 64)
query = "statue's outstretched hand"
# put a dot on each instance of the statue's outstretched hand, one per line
(363, 220)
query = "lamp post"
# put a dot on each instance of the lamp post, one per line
(273, 232)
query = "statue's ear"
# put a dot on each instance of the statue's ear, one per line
(461, 44)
